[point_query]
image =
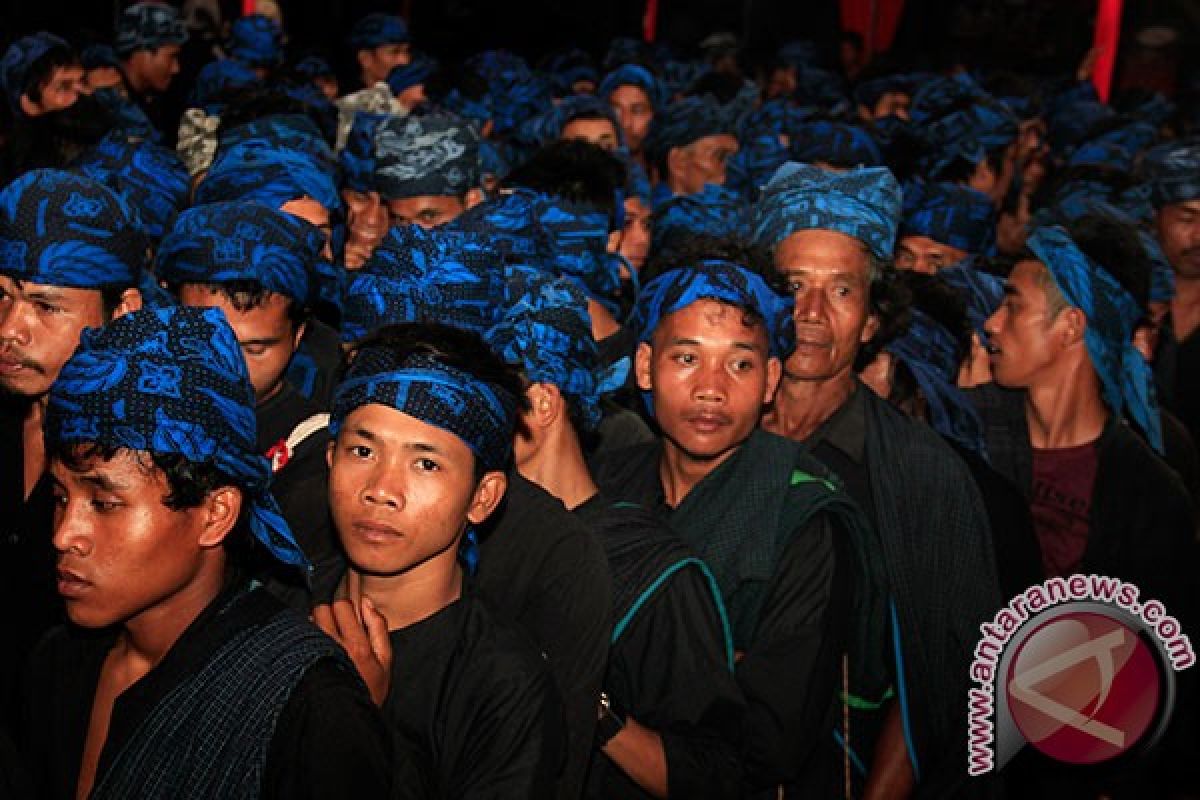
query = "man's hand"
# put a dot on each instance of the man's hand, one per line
(364, 636)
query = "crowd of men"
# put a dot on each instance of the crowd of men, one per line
(619, 428)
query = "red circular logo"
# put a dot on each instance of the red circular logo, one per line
(1083, 688)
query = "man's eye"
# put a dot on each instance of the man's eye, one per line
(104, 505)
(359, 451)
(47, 308)
(686, 358)
(427, 465)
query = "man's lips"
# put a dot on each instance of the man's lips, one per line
(13, 362)
(706, 421)
(374, 531)
(71, 584)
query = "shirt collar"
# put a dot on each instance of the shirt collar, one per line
(847, 428)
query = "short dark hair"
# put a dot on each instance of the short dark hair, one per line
(1116, 247)
(946, 307)
(463, 350)
(42, 69)
(720, 85)
(889, 302)
(577, 171)
(249, 295)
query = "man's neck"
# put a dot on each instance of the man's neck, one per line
(34, 444)
(411, 596)
(147, 638)
(680, 472)
(1185, 307)
(1067, 411)
(802, 406)
(560, 469)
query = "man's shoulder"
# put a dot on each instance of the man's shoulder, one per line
(1142, 472)
(495, 650)
(920, 457)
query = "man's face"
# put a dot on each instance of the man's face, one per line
(710, 374)
(401, 491)
(121, 552)
(781, 82)
(61, 91)
(701, 162)
(153, 70)
(924, 255)
(828, 274)
(428, 211)
(634, 112)
(599, 132)
(1023, 336)
(39, 330)
(1179, 234)
(314, 214)
(633, 241)
(892, 104)
(267, 335)
(378, 62)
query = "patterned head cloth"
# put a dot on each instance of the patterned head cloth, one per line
(152, 179)
(1112, 313)
(1173, 172)
(437, 154)
(968, 135)
(938, 96)
(547, 332)
(218, 77)
(232, 242)
(62, 229)
(291, 131)
(633, 75)
(311, 67)
(476, 109)
(951, 214)
(567, 240)
(376, 30)
(419, 275)
(714, 280)
(757, 159)
(780, 117)
(256, 40)
(625, 50)
(414, 73)
(932, 355)
(869, 93)
(270, 176)
(95, 56)
(171, 381)
(482, 415)
(637, 182)
(1115, 148)
(19, 57)
(148, 26)
(835, 143)
(716, 211)
(357, 158)
(821, 88)
(1072, 123)
(548, 126)
(981, 291)
(863, 203)
(683, 122)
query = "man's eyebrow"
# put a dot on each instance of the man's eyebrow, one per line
(682, 341)
(422, 447)
(102, 482)
(263, 341)
(44, 295)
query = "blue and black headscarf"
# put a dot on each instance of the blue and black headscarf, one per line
(19, 58)
(981, 291)
(414, 73)
(218, 77)
(837, 144)
(235, 242)
(63, 229)
(634, 75)
(171, 381)
(932, 355)
(686, 121)
(377, 30)
(313, 67)
(419, 275)
(751, 167)
(297, 132)
(968, 135)
(256, 40)
(357, 158)
(153, 180)
(714, 280)
(267, 175)
(436, 154)
(1172, 171)
(548, 126)
(547, 332)
(863, 203)
(1112, 314)
(869, 93)
(716, 211)
(954, 215)
(148, 26)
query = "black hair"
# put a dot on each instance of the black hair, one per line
(946, 307)
(577, 171)
(42, 69)
(243, 105)
(188, 484)
(1116, 247)
(960, 169)
(1114, 179)
(889, 301)
(247, 295)
(463, 350)
(55, 139)
(722, 86)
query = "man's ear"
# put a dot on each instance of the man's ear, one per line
(488, 495)
(870, 328)
(298, 335)
(221, 510)
(474, 197)
(1074, 325)
(676, 162)
(131, 300)
(546, 405)
(774, 374)
(641, 366)
(329, 452)
(29, 108)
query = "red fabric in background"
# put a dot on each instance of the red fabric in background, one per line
(1108, 32)
(856, 16)
(247, 7)
(650, 21)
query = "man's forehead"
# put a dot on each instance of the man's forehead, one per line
(1186, 207)
(712, 322)
(819, 250)
(31, 289)
(1024, 276)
